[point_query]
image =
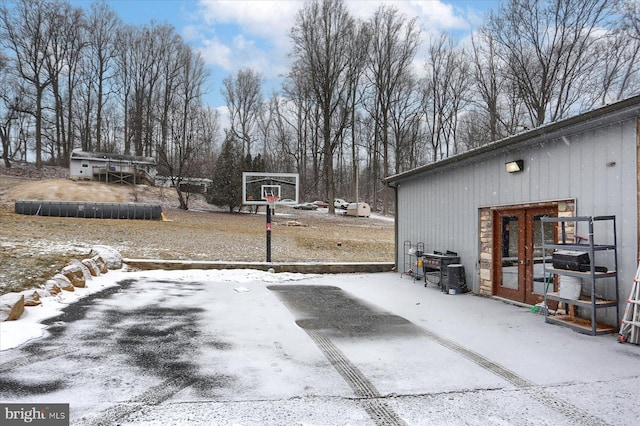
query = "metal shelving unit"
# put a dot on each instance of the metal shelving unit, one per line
(592, 278)
(413, 260)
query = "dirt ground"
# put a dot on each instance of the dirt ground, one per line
(34, 248)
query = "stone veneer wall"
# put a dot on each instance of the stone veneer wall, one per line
(566, 208)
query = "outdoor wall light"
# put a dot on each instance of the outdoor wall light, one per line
(515, 166)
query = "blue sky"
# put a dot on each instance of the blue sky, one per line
(233, 34)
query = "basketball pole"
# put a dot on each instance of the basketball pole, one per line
(263, 188)
(268, 232)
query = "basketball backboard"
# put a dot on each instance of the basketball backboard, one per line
(256, 185)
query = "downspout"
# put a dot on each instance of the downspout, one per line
(395, 224)
(638, 185)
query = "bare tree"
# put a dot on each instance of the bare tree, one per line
(66, 43)
(495, 94)
(142, 55)
(188, 123)
(490, 80)
(359, 48)
(103, 26)
(140, 70)
(321, 39)
(173, 66)
(406, 115)
(123, 81)
(548, 47)
(445, 94)
(26, 33)
(301, 114)
(394, 43)
(9, 101)
(291, 150)
(616, 53)
(244, 99)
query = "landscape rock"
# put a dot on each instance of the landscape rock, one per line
(86, 273)
(102, 265)
(77, 273)
(63, 282)
(52, 286)
(31, 298)
(93, 268)
(111, 256)
(44, 293)
(11, 306)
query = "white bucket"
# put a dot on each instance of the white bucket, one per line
(570, 287)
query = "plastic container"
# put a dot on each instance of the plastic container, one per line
(570, 287)
(456, 279)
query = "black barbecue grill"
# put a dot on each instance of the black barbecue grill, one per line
(434, 267)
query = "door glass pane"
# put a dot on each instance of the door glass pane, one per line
(509, 252)
(538, 273)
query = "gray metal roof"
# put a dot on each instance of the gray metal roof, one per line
(87, 155)
(602, 116)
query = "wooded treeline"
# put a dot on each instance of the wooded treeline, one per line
(359, 102)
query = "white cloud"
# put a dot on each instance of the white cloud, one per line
(217, 54)
(433, 15)
(436, 14)
(433, 18)
(225, 121)
(255, 34)
(266, 19)
(191, 33)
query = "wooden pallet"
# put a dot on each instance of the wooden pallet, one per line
(580, 324)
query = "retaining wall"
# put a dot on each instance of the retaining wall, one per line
(299, 267)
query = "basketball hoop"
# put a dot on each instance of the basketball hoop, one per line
(271, 200)
(268, 189)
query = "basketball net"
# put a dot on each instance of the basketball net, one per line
(271, 200)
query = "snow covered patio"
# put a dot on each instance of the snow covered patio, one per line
(253, 348)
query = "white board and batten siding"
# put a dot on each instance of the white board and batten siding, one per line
(83, 163)
(591, 159)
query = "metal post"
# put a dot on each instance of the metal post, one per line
(268, 233)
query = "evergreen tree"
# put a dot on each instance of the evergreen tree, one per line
(246, 166)
(226, 189)
(257, 165)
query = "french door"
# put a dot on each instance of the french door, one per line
(517, 246)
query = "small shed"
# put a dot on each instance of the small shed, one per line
(358, 210)
(110, 167)
(488, 204)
